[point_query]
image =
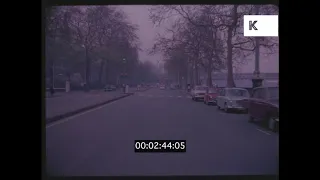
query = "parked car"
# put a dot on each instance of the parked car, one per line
(263, 106)
(113, 87)
(110, 87)
(198, 92)
(173, 86)
(228, 98)
(107, 88)
(138, 87)
(162, 87)
(210, 96)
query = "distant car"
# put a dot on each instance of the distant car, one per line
(113, 87)
(229, 97)
(107, 88)
(110, 88)
(263, 106)
(210, 96)
(172, 86)
(162, 87)
(198, 92)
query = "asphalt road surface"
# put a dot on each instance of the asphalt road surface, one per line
(101, 142)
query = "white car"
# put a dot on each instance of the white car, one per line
(162, 87)
(228, 98)
(198, 92)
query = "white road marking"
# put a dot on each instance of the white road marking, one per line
(170, 96)
(179, 96)
(263, 131)
(77, 115)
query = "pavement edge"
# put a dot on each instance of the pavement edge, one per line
(72, 113)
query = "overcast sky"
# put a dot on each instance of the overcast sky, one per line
(139, 14)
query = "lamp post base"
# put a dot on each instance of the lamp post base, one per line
(256, 82)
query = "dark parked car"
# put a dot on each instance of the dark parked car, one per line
(110, 88)
(113, 87)
(263, 106)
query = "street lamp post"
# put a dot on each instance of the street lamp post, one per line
(124, 75)
(257, 80)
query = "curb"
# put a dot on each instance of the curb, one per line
(68, 114)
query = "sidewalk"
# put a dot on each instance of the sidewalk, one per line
(67, 104)
(59, 94)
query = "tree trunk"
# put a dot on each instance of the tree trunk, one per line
(230, 81)
(209, 78)
(196, 75)
(187, 73)
(88, 70)
(101, 72)
(191, 76)
(106, 72)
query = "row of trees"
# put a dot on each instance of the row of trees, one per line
(207, 37)
(97, 43)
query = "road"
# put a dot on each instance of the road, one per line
(101, 142)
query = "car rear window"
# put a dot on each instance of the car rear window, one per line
(200, 88)
(238, 92)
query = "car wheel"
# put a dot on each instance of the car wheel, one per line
(226, 109)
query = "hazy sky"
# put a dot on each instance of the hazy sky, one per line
(139, 14)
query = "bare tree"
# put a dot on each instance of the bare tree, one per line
(200, 42)
(96, 33)
(225, 20)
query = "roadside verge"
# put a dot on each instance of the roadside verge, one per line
(86, 108)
